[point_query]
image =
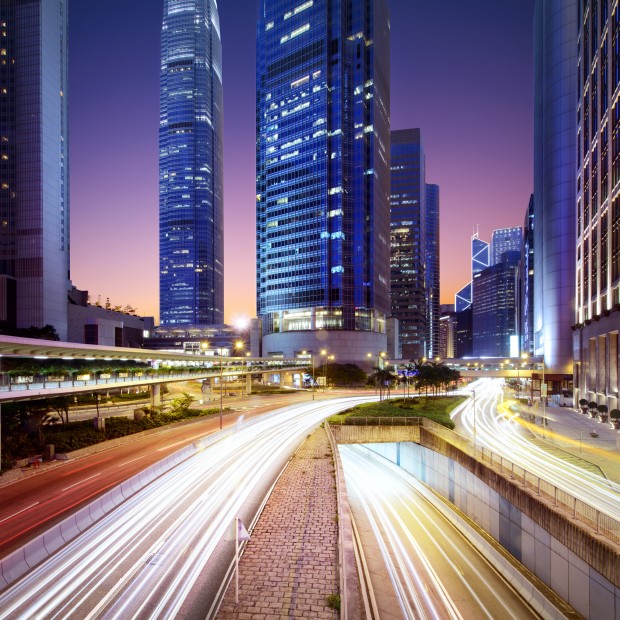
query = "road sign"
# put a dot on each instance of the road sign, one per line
(543, 389)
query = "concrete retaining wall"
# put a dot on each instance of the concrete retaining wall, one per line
(531, 531)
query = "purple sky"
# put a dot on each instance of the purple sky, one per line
(461, 71)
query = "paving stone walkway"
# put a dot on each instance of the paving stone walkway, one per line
(290, 565)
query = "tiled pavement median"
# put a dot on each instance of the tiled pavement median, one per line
(289, 567)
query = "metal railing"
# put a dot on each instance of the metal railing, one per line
(600, 522)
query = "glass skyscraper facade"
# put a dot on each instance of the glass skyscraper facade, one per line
(505, 240)
(494, 311)
(34, 173)
(556, 27)
(322, 168)
(191, 245)
(432, 269)
(408, 242)
(480, 259)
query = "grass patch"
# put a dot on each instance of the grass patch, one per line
(435, 408)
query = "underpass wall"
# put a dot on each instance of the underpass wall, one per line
(548, 543)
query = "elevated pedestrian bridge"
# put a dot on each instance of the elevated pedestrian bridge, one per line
(159, 367)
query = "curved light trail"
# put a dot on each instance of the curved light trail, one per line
(145, 558)
(434, 570)
(501, 433)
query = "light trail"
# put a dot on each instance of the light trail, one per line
(502, 434)
(435, 572)
(145, 558)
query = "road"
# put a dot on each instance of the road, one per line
(433, 570)
(497, 429)
(30, 506)
(159, 555)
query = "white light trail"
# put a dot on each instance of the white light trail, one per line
(503, 435)
(434, 571)
(144, 558)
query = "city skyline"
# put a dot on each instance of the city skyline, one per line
(462, 109)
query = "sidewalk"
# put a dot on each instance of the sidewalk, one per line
(570, 431)
(290, 565)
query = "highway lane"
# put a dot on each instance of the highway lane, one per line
(433, 570)
(146, 558)
(31, 505)
(498, 429)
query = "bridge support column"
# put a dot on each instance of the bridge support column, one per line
(155, 390)
(248, 384)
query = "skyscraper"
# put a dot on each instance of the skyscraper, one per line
(191, 246)
(526, 319)
(322, 168)
(597, 170)
(494, 311)
(34, 171)
(432, 269)
(555, 82)
(505, 240)
(408, 240)
(480, 259)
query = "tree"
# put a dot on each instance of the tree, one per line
(61, 406)
(384, 379)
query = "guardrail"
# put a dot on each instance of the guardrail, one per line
(600, 522)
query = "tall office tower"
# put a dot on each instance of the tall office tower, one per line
(480, 259)
(447, 331)
(191, 245)
(598, 204)
(408, 233)
(494, 320)
(34, 169)
(432, 269)
(555, 114)
(323, 175)
(505, 240)
(526, 305)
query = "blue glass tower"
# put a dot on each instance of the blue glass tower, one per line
(322, 167)
(432, 268)
(191, 247)
(34, 169)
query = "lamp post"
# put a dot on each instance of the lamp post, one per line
(221, 384)
(239, 346)
(524, 356)
(324, 356)
(312, 358)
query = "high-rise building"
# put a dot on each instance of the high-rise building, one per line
(408, 240)
(34, 169)
(494, 318)
(432, 269)
(323, 177)
(555, 113)
(505, 240)
(447, 331)
(596, 372)
(526, 303)
(480, 259)
(191, 246)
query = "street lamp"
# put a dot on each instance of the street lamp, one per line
(324, 355)
(312, 358)
(221, 351)
(239, 346)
